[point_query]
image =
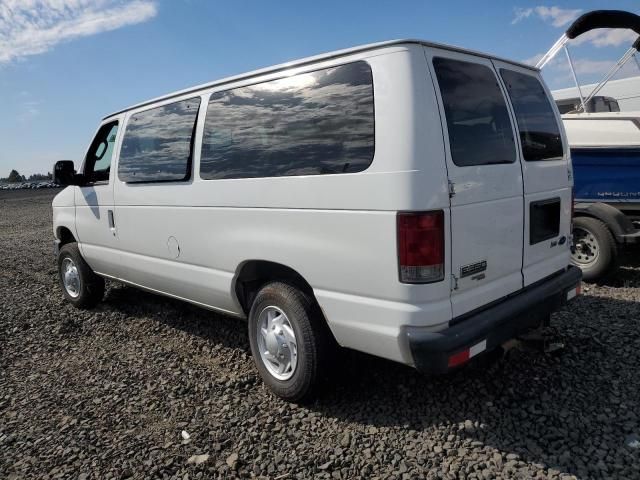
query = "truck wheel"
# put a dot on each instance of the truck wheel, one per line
(80, 285)
(594, 248)
(290, 343)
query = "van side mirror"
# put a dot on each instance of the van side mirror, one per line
(64, 173)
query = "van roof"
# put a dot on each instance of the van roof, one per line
(314, 59)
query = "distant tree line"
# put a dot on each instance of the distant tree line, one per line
(15, 177)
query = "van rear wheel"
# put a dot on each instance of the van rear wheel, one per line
(594, 248)
(80, 285)
(290, 342)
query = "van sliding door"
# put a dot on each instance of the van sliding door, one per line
(485, 178)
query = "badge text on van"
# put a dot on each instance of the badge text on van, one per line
(473, 268)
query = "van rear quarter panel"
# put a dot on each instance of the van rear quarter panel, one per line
(338, 231)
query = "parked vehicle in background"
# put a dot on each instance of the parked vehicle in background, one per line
(27, 185)
(405, 199)
(605, 151)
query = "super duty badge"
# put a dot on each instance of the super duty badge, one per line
(473, 268)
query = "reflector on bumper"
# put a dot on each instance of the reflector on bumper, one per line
(463, 356)
(574, 292)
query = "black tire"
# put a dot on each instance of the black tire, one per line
(315, 344)
(594, 249)
(91, 286)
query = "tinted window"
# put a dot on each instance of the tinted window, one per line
(98, 161)
(565, 106)
(308, 124)
(604, 104)
(539, 132)
(596, 104)
(157, 143)
(477, 117)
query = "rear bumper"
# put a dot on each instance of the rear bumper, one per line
(485, 330)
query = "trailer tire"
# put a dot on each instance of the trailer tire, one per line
(594, 249)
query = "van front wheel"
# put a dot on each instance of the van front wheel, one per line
(289, 341)
(80, 285)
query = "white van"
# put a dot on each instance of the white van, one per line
(405, 199)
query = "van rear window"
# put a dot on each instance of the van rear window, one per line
(307, 124)
(480, 132)
(537, 125)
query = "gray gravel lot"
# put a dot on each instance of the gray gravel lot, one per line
(106, 393)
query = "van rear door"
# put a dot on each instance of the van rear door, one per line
(485, 175)
(546, 169)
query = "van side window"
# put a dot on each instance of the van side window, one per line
(537, 125)
(98, 160)
(158, 143)
(308, 124)
(480, 131)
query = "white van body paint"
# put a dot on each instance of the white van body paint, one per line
(337, 231)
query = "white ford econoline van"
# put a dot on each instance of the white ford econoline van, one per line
(405, 199)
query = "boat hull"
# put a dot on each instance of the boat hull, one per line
(607, 174)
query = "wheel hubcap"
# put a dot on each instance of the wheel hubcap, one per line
(70, 277)
(277, 343)
(586, 249)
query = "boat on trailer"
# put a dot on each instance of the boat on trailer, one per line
(605, 153)
(619, 95)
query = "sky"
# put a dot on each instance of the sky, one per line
(65, 64)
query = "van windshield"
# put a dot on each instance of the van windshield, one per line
(537, 125)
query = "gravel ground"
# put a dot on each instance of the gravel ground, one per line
(107, 393)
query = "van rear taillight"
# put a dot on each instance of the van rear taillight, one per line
(421, 246)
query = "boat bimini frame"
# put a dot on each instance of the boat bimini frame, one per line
(591, 21)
